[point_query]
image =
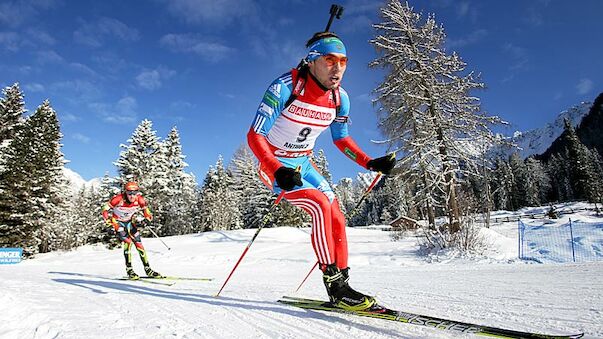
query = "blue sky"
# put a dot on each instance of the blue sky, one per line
(203, 65)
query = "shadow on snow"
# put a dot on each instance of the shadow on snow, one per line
(101, 287)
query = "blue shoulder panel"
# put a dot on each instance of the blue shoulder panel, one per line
(272, 104)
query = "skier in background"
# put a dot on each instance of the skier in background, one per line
(295, 109)
(123, 207)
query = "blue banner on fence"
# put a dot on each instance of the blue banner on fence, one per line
(571, 242)
(10, 255)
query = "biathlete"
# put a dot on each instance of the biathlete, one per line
(123, 207)
(295, 110)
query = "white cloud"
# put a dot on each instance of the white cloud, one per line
(354, 24)
(81, 138)
(182, 105)
(212, 12)
(82, 69)
(518, 56)
(210, 51)
(31, 39)
(354, 7)
(95, 33)
(110, 64)
(177, 110)
(41, 36)
(149, 79)
(15, 13)
(474, 37)
(49, 57)
(69, 117)
(228, 95)
(152, 79)
(122, 112)
(366, 98)
(78, 91)
(10, 41)
(584, 86)
(34, 87)
(463, 8)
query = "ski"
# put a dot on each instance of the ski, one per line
(177, 278)
(421, 320)
(148, 281)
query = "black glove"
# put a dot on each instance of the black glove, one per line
(287, 178)
(384, 164)
(111, 231)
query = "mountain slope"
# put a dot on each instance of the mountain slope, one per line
(537, 141)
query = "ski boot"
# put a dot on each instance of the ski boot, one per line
(131, 274)
(152, 274)
(341, 294)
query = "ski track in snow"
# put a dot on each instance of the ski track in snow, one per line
(72, 294)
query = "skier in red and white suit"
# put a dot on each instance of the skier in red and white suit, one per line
(123, 207)
(294, 111)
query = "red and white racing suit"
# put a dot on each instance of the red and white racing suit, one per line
(285, 136)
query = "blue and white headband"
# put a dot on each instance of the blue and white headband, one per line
(325, 46)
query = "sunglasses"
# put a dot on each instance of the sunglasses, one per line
(331, 60)
(132, 192)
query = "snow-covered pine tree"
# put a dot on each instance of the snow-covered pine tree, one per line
(520, 181)
(344, 190)
(582, 176)
(596, 191)
(426, 108)
(136, 161)
(367, 212)
(387, 200)
(80, 215)
(144, 160)
(320, 160)
(558, 170)
(253, 197)
(502, 182)
(109, 186)
(538, 182)
(286, 214)
(12, 109)
(179, 203)
(219, 208)
(395, 197)
(33, 186)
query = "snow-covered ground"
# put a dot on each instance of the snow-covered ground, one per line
(72, 294)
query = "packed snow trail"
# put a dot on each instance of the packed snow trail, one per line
(74, 294)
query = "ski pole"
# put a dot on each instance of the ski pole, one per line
(368, 190)
(306, 278)
(262, 223)
(156, 236)
(366, 193)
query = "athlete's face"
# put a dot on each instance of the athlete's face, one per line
(131, 195)
(329, 69)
